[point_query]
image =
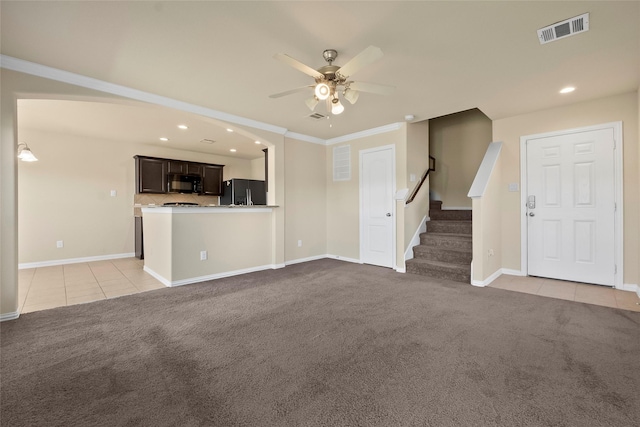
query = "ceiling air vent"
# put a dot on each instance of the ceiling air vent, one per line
(316, 116)
(566, 28)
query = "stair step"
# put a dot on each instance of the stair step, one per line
(439, 270)
(449, 226)
(447, 240)
(450, 214)
(435, 204)
(434, 253)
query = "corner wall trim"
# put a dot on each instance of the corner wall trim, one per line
(9, 316)
(74, 260)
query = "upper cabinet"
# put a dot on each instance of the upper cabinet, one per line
(151, 174)
(212, 180)
(188, 168)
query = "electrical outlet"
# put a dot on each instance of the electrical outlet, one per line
(59, 244)
(490, 252)
(114, 193)
(299, 243)
(203, 255)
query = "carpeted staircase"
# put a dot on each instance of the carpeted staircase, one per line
(445, 250)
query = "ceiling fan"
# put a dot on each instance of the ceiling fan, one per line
(332, 80)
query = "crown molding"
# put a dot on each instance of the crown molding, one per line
(34, 69)
(362, 134)
(305, 138)
(27, 67)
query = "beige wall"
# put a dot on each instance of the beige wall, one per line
(342, 208)
(234, 241)
(611, 109)
(487, 240)
(458, 142)
(306, 196)
(257, 169)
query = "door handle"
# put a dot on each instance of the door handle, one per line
(532, 214)
(388, 214)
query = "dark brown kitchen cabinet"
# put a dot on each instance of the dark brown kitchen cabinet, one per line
(151, 175)
(212, 180)
(189, 168)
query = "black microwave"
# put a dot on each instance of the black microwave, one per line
(184, 183)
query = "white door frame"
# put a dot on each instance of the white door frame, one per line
(392, 147)
(618, 197)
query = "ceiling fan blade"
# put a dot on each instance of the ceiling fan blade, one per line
(366, 57)
(372, 88)
(289, 92)
(298, 65)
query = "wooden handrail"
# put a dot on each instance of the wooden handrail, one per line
(422, 180)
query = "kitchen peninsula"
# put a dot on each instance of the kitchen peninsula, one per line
(196, 243)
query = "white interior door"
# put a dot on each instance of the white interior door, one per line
(570, 206)
(377, 190)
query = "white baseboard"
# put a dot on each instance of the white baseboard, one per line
(74, 260)
(300, 260)
(9, 316)
(626, 287)
(415, 240)
(401, 270)
(342, 258)
(198, 279)
(511, 272)
(488, 280)
(631, 288)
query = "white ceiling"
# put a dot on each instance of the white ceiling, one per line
(442, 57)
(136, 123)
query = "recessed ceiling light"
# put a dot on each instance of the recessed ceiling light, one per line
(183, 126)
(567, 89)
(258, 142)
(229, 130)
(233, 150)
(164, 139)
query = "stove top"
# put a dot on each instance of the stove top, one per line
(180, 204)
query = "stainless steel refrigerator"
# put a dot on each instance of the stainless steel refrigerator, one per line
(243, 192)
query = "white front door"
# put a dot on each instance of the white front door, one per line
(377, 190)
(570, 206)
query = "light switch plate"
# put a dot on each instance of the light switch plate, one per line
(513, 186)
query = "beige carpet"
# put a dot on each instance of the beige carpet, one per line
(325, 343)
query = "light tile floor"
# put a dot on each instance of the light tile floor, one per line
(48, 287)
(572, 291)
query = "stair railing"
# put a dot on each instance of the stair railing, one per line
(432, 167)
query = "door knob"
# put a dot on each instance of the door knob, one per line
(532, 214)
(388, 214)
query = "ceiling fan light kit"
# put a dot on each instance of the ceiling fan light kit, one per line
(331, 80)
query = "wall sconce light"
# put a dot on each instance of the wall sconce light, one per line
(25, 153)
